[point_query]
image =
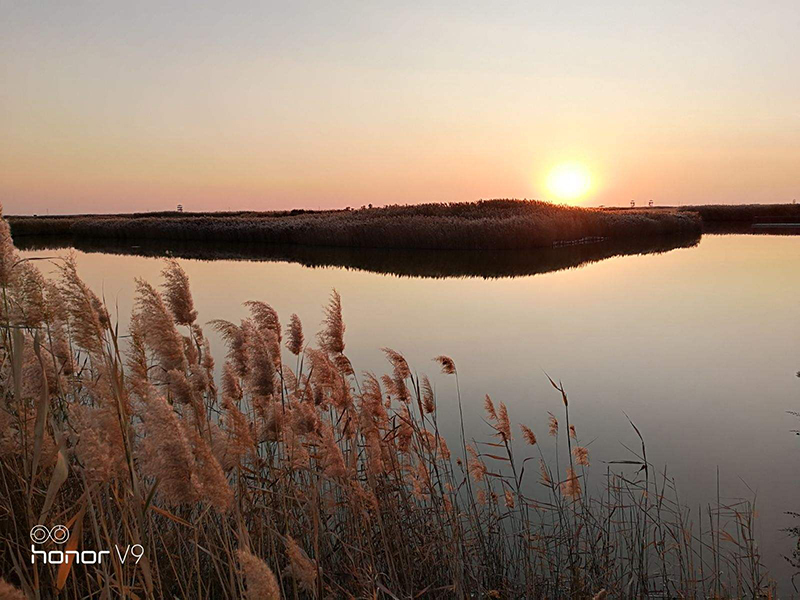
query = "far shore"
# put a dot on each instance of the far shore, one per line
(483, 225)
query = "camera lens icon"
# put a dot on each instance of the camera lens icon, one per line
(40, 534)
(59, 534)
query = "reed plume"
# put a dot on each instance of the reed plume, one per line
(475, 466)
(99, 446)
(266, 318)
(302, 568)
(88, 319)
(571, 487)
(261, 581)
(488, 406)
(428, 398)
(260, 378)
(294, 333)
(28, 306)
(552, 425)
(331, 338)
(166, 454)
(239, 442)
(503, 423)
(159, 330)
(399, 364)
(528, 434)
(447, 364)
(211, 483)
(230, 382)
(581, 455)
(177, 294)
(331, 457)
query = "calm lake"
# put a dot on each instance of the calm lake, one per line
(698, 345)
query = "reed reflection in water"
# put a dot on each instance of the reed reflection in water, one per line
(411, 263)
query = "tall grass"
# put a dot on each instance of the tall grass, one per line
(485, 225)
(289, 475)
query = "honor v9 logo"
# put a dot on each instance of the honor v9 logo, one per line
(59, 534)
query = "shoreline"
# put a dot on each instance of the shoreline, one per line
(483, 225)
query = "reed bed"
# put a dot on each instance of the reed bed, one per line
(746, 213)
(283, 473)
(484, 225)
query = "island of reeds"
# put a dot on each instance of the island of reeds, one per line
(284, 472)
(484, 225)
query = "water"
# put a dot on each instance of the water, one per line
(699, 346)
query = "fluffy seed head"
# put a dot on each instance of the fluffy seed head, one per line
(302, 567)
(331, 338)
(488, 406)
(581, 455)
(428, 398)
(177, 294)
(503, 423)
(399, 364)
(448, 364)
(571, 487)
(528, 435)
(553, 425)
(261, 581)
(294, 333)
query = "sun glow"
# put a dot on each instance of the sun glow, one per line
(569, 181)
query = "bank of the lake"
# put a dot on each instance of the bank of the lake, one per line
(484, 225)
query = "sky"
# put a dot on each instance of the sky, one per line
(120, 107)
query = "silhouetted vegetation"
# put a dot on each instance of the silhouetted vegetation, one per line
(745, 213)
(412, 263)
(742, 218)
(485, 225)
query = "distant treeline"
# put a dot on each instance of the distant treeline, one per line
(484, 225)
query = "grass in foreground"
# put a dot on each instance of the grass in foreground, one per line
(289, 476)
(485, 225)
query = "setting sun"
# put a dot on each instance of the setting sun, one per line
(569, 181)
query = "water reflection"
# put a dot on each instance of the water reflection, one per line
(408, 263)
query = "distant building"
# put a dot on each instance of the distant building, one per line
(180, 207)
